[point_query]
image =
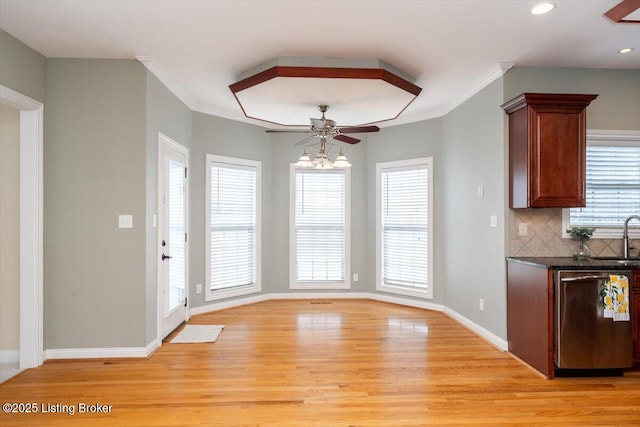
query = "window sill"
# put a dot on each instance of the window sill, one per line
(607, 233)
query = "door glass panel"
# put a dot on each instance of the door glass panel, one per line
(176, 220)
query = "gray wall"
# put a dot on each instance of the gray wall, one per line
(284, 152)
(215, 135)
(94, 163)
(9, 227)
(168, 115)
(422, 139)
(22, 68)
(474, 155)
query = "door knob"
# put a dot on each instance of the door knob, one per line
(166, 257)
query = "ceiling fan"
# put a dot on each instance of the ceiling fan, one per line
(326, 128)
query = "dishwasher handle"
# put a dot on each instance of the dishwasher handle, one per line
(585, 277)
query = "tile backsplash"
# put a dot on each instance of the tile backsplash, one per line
(544, 236)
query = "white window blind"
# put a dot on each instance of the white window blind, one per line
(232, 225)
(613, 187)
(319, 226)
(405, 226)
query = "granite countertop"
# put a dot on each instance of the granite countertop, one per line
(568, 263)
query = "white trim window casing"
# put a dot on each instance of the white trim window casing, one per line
(613, 185)
(320, 236)
(232, 226)
(404, 227)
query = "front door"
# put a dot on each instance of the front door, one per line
(172, 234)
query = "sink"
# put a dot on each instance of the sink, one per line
(617, 260)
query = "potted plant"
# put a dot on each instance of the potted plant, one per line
(582, 235)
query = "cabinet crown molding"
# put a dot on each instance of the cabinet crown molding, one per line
(548, 99)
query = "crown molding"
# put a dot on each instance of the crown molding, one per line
(496, 72)
(231, 116)
(175, 88)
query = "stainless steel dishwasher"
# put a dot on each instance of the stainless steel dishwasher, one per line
(585, 336)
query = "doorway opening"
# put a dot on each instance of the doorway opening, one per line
(31, 226)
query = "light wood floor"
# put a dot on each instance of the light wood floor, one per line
(323, 363)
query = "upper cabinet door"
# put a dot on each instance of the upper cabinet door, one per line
(547, 146)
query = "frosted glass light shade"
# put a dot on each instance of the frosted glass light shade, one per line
(341, 162)
(304, 162)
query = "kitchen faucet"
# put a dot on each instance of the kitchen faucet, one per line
(625, 236)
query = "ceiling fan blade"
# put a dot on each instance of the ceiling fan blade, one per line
(288, 131)
(359, 129)
(307, 139)
(347, 139)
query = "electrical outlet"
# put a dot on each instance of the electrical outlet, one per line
(481, 304)
(480, 191)
(355, 277)
(493, 221)
(523, 230)
(198, 288)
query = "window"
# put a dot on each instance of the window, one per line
(613, 185)
(232, 227)
(320, 246)
(404, 227)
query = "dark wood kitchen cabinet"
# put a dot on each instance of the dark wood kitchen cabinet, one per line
(547, 150)
(635, 313)
(530, 316)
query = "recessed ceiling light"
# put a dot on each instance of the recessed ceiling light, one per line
(626, 50)
(542, 8)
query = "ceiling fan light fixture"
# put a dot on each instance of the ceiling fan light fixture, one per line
(625, 50)
(321, 161)
(341, 161)
(542, 8)
(304, 162)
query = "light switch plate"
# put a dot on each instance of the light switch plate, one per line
(125, 221)
(480, 191)
(493, 221)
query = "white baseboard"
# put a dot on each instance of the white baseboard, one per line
(405, 301)
(318, 295)
(101, 353)
(152, 346)
(485, 334)
(223, 305)
(9, 356)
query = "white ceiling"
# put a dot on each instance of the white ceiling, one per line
(451, 48)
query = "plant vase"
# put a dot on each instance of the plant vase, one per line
(583, 251)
